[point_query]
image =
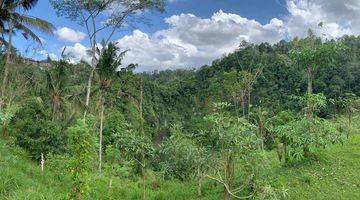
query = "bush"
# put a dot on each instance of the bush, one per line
(35, 132)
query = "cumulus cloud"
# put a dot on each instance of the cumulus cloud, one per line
(77, 53)
(70, 35)
(337, 17)
(45, 54)
(192, 41)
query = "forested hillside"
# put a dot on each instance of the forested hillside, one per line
(267, 121)
(177, 126)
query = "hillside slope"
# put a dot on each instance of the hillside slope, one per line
(21, 178)
(332, 174)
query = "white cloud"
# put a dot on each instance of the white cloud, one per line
(70, 35)
(45, 54)
(192, 41)
(334, 14)
(77, 53)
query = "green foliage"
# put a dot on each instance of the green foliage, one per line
(308, 134)
(176, 161)
(114, 165)
(74, 9)
(135, 146)
(13, 19)
(35, 131)
(313, 102)
(311, 52)
(81, 144)
(180, 157)
(228, 133)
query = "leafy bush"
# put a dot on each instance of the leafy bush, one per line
(179, 155)
(35, 131)
(81, 143)
(307, 134)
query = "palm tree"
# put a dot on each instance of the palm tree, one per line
(108, 63)
(57, 79)
(10, 22)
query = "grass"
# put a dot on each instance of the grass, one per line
(21, 178)
(332, 174)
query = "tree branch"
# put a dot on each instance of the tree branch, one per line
(227, 187)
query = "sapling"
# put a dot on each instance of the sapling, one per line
(81, 143)
(235, 138)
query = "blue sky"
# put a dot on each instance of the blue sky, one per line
(194, 32)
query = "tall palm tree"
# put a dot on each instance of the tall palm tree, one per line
(109, 61)
(56, 80)
(11, 21)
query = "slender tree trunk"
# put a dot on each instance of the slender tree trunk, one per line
(248, 103)
(226, 194)
(78, 194)
(42, 162)
(243, 103)
(310, 81)
(286, 156)
(88, 91)
(349, 124)
(229, 172)
(200, 180)
(110, 182)
(144, 177)
(101, 128)
(6, 68)
(93, 59)
(309, 111)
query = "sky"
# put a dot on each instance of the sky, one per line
(193, 33)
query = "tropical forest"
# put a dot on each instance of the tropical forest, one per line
(179, 99)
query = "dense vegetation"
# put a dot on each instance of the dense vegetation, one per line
(264, 122)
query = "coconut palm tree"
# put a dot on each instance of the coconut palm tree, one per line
(109, 61)
(13, 20)
(56, 80)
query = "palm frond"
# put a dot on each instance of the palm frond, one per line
(28, 4)
(34, 22)
(25, 4)
(27, 33)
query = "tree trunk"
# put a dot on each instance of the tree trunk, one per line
(42, 162)
(226, 194)
(6, 68)
(110, 182)
(78, 194)
(309, 111)
(92, 38)
(229, 172)
(248, 103)
(310, 81)
(110, 187)
(286, 156)
(349, 124)
(243, 103)
(144, 177)
(200, 180)
(101, 128)
(88, 91)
